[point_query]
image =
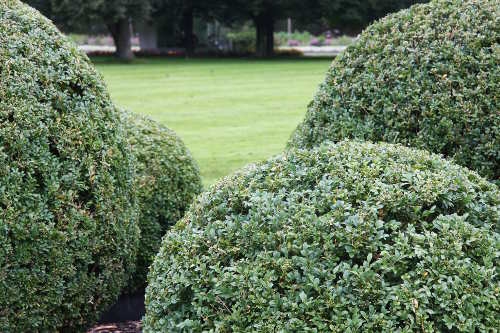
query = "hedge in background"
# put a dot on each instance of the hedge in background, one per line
(352, 237)
(167, 181)
(68, 229)
(428, 77)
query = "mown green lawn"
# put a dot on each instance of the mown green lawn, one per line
(228, 112)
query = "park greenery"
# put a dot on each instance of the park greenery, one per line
(382, 214)
(173, 21)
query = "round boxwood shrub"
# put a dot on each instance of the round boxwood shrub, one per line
(167, 181)
(68, 212)
(428, 77)
(351, 237)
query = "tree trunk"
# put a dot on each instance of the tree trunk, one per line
(187, 27)
(260, 39)
(122, 34)
(265, 35)
(270, 37)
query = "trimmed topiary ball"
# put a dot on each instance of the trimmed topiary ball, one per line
(168, 179)
(427, 77)
(68, 229)
(343, 238)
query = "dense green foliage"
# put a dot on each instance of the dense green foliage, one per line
(67, 204)
(167, 181)
(428, 77)
(351, 237)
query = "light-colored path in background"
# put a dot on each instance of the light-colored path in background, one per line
(316, 51)
(308, 51)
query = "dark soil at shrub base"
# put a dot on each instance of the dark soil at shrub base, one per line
(124, 316)
(128, 307)
(125, 327)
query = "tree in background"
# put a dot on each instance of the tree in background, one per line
(115, 15)
(264, 14)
